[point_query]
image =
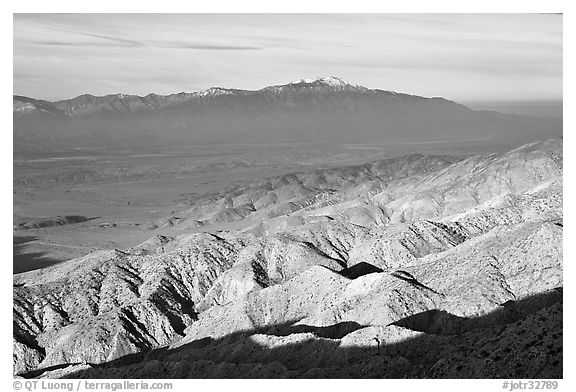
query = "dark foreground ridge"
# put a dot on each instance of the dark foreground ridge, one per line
(519, 341)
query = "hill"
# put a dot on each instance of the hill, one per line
(416, 266)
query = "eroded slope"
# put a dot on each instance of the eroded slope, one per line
(409, 252)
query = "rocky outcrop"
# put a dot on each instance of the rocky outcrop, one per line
(110, 304)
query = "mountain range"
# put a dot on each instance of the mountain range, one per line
(318, 110)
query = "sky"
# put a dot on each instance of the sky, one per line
(463, 57)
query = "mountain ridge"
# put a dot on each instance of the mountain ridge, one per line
(322, 82)
(317, 110)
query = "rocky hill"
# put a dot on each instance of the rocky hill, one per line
(418, 266)
(336, 111)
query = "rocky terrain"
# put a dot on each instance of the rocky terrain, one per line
(408, 267)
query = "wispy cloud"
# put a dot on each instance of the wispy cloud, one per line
(97, 44)
(114, 40)
(202, 46)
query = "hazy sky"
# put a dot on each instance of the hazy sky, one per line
(464, 57)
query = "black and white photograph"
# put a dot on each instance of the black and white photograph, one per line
(282, 195)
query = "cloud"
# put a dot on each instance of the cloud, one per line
(114, 40)
(203, 46)
(76, 38)
(97, 44)
(57, 36)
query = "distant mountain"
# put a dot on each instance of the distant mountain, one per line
(327, 110)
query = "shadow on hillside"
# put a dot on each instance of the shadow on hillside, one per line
(358, 270)
(38, 223)
(517, 340)
(23, 261)
(447, 346)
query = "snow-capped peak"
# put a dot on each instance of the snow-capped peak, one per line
(213, 91)
(329, 81)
